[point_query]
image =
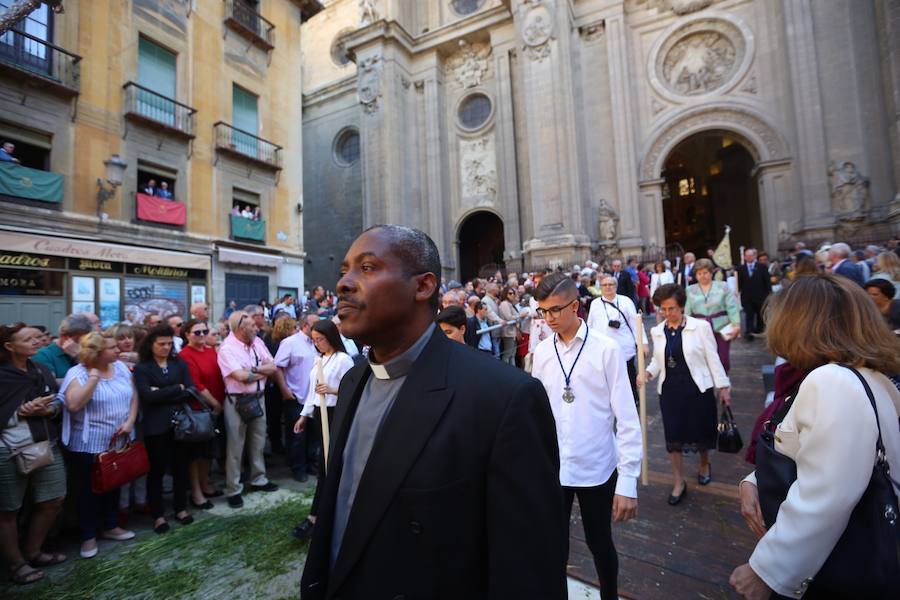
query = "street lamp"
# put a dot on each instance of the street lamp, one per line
(115, 170)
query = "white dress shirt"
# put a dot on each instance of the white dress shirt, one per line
(333, 370)
(603, 311)
(599, 431)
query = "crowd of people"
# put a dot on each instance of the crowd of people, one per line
(265, 371)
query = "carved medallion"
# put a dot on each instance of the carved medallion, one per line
(369, 83)
(536, 26)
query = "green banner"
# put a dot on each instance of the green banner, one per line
(32, 184)
(248, 229)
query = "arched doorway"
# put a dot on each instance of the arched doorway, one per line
(480, 244)
(708, 185)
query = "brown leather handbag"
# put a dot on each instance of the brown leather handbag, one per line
(114, 468)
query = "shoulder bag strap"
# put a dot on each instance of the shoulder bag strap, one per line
(879, 445)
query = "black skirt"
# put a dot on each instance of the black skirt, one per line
(689, 415)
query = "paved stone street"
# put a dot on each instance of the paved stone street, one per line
(687, 551)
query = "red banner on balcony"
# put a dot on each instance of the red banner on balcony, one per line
(158, 210)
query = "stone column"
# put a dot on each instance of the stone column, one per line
(559, 228)
(775, 194)
(623, 122)
(439, 215)
(812, 159)
(653, 225)
(888, 17)
(508, 189)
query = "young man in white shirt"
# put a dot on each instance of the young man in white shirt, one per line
(597, 425)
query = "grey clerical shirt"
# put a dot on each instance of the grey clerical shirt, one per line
(375, 403)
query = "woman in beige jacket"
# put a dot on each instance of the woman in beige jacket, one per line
(819, 323)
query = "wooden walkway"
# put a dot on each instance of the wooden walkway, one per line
(686, 551)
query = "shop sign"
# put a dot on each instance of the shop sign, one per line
(164, 272)
(87, 264)
(27, 282)
(24, 259)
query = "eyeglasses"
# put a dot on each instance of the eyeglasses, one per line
(554, 311)
(177, 325)
(200, 332)
(608, 285)
(241, 320)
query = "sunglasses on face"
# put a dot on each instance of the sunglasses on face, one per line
(200, 332)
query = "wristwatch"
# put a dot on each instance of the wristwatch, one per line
(253, 370)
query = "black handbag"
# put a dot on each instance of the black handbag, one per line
(865, 562)
(729, 439)
(248, 406)
(191, 425)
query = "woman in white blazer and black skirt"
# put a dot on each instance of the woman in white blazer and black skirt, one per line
(687, 363)
(819, 323)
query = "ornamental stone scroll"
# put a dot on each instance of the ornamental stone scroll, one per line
(369, 83)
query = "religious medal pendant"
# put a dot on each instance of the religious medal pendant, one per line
(568, 396)
(671, 362)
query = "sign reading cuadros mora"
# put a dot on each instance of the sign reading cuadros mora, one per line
(11, 242)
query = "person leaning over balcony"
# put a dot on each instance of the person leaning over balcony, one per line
(150, 189)
(163, 191)
(101, 406)
(27, 393)
(6, 151)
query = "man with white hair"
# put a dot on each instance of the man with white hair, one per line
(838, 254)
(200, 311)
(686, 272)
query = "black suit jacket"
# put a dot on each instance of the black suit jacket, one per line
(158, 405)
(472, 325)
(626, 285)
(460, 497)
(683, 279)
(851, 271)
(756, 288)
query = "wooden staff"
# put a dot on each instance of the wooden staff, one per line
(323, 412)
(642, 396)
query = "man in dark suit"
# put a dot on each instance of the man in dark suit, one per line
(625, 285)
(755, 286)
(839, 255)
(685, 276)
(443, 469)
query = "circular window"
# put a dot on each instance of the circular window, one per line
(465, 7)
(474, 111)
(346, 147)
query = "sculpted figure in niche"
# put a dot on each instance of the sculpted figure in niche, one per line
(849, 188)
(607, 220)
(368, 13)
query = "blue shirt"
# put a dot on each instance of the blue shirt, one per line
(484, 340)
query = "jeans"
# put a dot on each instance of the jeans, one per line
(274, 410)
(95, 511)
(596, 517)
(508, 354)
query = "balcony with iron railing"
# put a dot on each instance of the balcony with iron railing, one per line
(41, 62)
(243, 145)
(242, 17)
(158, 111)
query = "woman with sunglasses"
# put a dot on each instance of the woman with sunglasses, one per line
(203, 365)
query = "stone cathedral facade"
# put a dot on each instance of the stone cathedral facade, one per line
(538, 132)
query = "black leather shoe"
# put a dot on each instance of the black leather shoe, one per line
(674, 500)
(304, 530)
(269, 487)
(705, 479)
(235, 501)
(204, 506)
(301, 477)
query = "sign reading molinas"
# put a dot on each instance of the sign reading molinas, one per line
(164, 272)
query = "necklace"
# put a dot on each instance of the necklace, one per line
(670, 352)
(569, 396)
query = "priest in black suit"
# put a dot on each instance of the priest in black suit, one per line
(443, 469)
(624, 283)
(755, 286)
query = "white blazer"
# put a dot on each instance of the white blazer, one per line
(699, 347)
(830, 433)
(658, 279)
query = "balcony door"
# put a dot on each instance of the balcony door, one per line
(156, 73)
(29, 51)
(246, 119)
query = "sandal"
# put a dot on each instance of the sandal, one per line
(43, 559)
(19, 578)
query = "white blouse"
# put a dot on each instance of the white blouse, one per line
(333, 369)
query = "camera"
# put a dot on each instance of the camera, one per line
(615, 323)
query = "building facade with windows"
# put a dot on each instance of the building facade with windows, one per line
(190, 108)
(538, 132)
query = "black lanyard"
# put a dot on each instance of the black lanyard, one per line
(624, 318)
(568, 377)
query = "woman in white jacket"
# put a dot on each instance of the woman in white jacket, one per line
(819, 323)
(688, 366)
(335, 363)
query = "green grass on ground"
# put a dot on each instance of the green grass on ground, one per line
(247, 555)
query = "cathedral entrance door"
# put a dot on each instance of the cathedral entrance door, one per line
(480, 245)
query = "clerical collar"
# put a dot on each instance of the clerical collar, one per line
(400, 365)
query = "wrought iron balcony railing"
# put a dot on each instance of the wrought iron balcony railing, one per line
(241, 16)
(244, 145)
(155, 109)
(40, 60)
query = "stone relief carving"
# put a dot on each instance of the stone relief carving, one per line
(699, 63)
(849, 189)
(750, 86)
(607, 223)
(369, 83)
(478, 168)
(731, 118)
(592, 31)
(470, 63)
(536, 28)
(368, 12)
(656, 106)
(679, 7)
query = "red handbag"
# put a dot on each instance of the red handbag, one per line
(114, 468)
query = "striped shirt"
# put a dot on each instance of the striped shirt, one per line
(91, 428)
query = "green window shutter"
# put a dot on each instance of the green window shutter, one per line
(245, 118)
(156, 68)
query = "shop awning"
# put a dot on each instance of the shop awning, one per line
(256, 259)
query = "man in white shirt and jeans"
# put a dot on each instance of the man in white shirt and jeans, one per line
(597, 425)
